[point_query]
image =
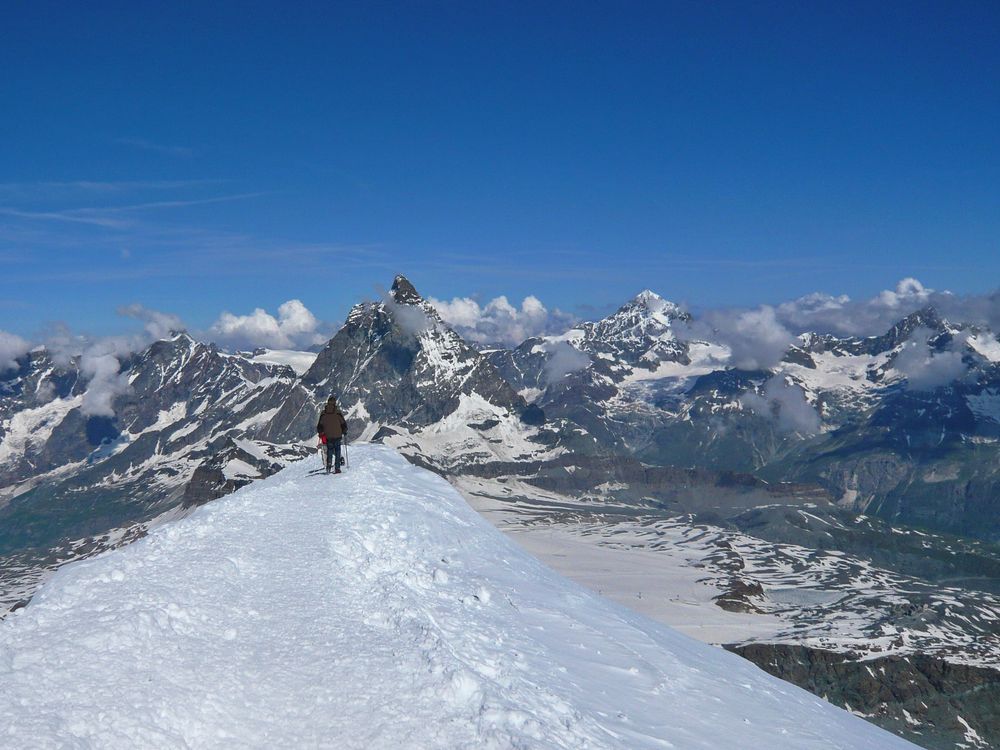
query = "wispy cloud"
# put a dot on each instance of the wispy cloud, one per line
(63, 189)
(109, 217)
(183, 152)
(158, 251)
(72, 216)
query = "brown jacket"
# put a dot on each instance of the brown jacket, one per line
(331, 422)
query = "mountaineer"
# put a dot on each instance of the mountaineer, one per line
(332, 428)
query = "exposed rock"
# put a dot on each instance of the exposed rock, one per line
(915, 697)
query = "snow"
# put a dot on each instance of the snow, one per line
(971, 735)
(238, 469)
(254, 449)
(185, 430)
(657, 582)
(167, 417)
(256, 419)
(530, 395)
(705, 358)
(672, 569)
(985, 405)
(836, 371)
(987, 345)
(452, 441)
(29, 429)
(371, 610)
(300, 362)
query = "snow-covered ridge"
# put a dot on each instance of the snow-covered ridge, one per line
(371, 610)
(300, 362)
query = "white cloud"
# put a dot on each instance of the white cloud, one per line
(411, 319)
(105, 382)
(784, 403)
(461, 312)
(842, 316)
(100, 359)
(294, 327)
(803, 312)
(295, 319)
(564, 359)
(100, 365)
(11, 347)
(159, 325)
(756, 339)
(63, 345)
(908, 291)
(926, 369)
(499, 322)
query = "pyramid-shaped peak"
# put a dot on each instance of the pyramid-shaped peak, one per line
(180, 337)
(175, 341)
(654, 303)
(404, 292)
(926, 316)
(649, 298)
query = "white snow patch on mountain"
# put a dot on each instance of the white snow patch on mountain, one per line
(29, 429)
(985, 405)
(298, 361)
(371, 610)
(986, 345)
(238, 469)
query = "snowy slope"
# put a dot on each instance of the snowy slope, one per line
(371, 610)
(298, 361)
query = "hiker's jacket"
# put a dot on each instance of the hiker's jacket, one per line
(331, 422)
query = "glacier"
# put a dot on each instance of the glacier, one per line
(375, 609)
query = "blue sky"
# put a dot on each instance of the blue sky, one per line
(197, 159)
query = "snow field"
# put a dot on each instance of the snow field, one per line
(374, 609)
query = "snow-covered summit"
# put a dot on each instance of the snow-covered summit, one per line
(371, 610)
(646, 316)
(654, 303)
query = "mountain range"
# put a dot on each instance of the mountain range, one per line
(864, 469)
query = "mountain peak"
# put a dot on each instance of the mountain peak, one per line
(927, 316)
(180, 337)
(654, 303)
(404, 292)
(646, 296)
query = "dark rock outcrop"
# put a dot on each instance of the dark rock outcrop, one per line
(916, 697)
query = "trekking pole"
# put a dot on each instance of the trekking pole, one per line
(320, 451)
(347, 464)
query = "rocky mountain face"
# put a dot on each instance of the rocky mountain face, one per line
(845, 413)
(914, 696)
(187, 423)
(394, 362)
(901, 427)
(625, 418)
(180, 428)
